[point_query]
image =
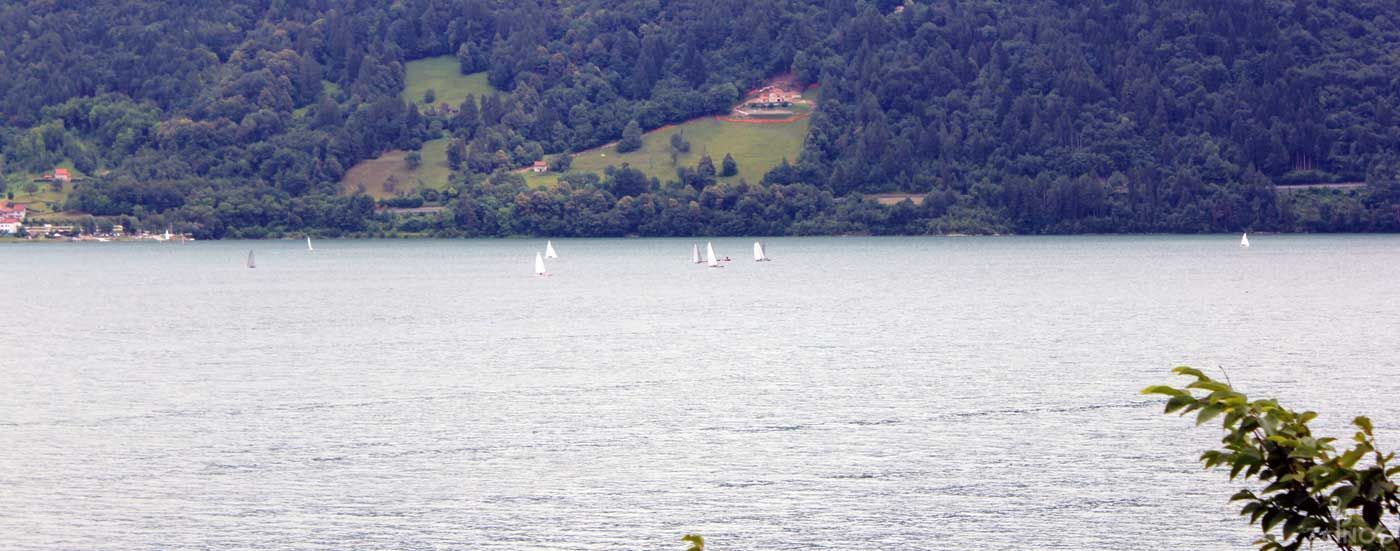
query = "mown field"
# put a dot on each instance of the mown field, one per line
(442, 75)
(757, 148)
(433, 172)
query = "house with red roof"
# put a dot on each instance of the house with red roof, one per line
(62, 175)
(10, 224)
(12, 210)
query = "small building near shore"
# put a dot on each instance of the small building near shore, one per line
(539, 166)
(10, 225)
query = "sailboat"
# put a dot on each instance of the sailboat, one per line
(549, 250)
(251, 264)
(1244, 240)
(695, 254)
(710, 256)
(167, 234)
(759, 255)
(308, 244)
(539, 265)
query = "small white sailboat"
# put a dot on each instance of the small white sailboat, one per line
(759, 254)
(549, 250)
(710, 256)
(695, 254)
(1244, 240)
(251, 264)
(539, 265)
(308, 244)
(167, 234)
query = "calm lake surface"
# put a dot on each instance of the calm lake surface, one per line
(856, 393)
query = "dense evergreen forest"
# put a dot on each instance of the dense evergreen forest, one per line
(239, 118)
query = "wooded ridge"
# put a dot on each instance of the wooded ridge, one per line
(240, 118)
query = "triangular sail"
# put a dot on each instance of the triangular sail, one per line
(251, 264)
(710, 255)
(1244, 240)
(695, 254)
(757, 251)
(539, 264)
(308, 244)
(549, 250)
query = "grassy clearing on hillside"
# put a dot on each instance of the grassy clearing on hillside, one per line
(433, 172)
(443, 76)
(757, 148)
(45, 200)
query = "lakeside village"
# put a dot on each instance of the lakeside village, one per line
(13, 224)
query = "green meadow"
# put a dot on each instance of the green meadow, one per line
(443, 76)
(432, 172)
(757, 148)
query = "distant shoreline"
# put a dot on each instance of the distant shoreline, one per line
(17, 240)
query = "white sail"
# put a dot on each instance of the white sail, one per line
(250, 260)
(1244, 240)
(308, 244)
(695, 254)
(710, 255)
(167, 234)
(539, 264)
(549, 250)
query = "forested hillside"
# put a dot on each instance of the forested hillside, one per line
(239, 118)
(1115, 116)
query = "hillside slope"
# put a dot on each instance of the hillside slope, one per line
(1029, 117)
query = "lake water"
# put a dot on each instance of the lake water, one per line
(856, 393)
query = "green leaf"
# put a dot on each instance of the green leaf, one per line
(1243, 494)
(1178, 402)
(1271, 519)
(1282, 441)
(1305, 450)
(1208, 413)
(1349, 459)
(1291, 525)
(1363, 423)
(1165, 390)
(1188, 370)
(1213, 386)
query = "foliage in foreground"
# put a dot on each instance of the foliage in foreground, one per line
(697, 542)
(1313, 491)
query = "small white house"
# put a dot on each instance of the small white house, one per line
(10, 225)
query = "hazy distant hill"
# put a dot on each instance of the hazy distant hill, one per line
(241, 118)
